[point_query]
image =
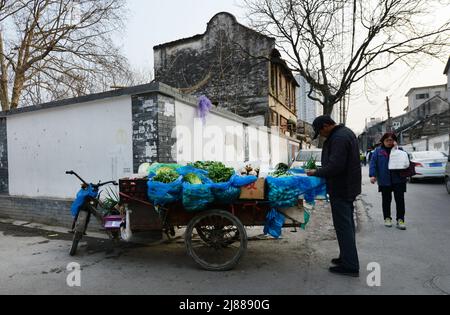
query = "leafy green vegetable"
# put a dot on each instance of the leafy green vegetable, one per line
(193, 179)
(281, 170)
(204, 165)
(311, 164)
(217, 171)
(166, 176)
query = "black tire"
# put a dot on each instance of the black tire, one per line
(447, 184)
(75, 241)
(412, 180)
(223, 240)
(80, 229)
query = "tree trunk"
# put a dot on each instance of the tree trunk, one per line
(328, 109)
(4, 101)
(17, 89)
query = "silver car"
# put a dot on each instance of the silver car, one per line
(429, 164)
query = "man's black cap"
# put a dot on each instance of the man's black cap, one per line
(319, 124)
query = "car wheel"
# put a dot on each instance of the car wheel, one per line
(447, 184)
(412, 180)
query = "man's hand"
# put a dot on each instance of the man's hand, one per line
(311, 173)
(373, 180)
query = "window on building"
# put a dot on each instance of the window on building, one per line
(274, 118)
(422, 96)
(273, 78)
(280, 88)
(276, 80)
(283, 124)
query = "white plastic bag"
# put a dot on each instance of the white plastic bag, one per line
(398, 160)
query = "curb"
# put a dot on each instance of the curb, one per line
(48, 228)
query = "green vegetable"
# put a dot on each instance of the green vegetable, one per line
(166, 175)
(311, 164)
(204, 165)
(193, 179)
(164, 169)
(217, 171)
(281, 170)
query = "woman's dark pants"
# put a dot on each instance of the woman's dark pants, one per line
(399, 196)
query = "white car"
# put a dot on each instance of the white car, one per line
(447, 173)
(429, 164)
(304, 156)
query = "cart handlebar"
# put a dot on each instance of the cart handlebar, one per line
(96, 186)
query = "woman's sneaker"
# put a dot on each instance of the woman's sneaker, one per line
(401, 225)
(388, 223)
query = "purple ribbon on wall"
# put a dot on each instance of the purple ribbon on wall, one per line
(204, 106)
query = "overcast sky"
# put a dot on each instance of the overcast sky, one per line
(152, 22)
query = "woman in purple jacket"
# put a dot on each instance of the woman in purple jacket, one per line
(388, 181)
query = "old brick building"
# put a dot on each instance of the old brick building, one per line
(238, 68)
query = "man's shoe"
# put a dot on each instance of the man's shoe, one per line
(336, 261)
(401, 225)
(339, 270)
(388, 223)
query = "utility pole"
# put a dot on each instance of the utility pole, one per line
(389, 123)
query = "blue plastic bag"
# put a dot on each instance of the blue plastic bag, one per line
(307, 218)
(241, 181)
(183, 171)
(197, 197)
(81, 199)
(274, 223)
(283, 191)
(228, 192)
(161, 194)
(312, 187)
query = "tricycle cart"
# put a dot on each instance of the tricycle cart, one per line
(215, 238)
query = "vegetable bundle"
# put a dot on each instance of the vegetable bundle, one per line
(281, 170)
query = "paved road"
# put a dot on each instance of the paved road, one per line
(412, 262)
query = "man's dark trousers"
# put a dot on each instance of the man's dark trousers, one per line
(343, 218)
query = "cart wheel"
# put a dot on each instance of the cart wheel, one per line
(222, 243)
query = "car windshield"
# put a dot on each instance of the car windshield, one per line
(428, 155)
(305, 156)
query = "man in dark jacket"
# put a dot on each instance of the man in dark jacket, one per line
(341, 168)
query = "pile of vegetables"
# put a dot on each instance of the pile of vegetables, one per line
(166, 175)
(203, 165)
(217, 171)
(281, 170)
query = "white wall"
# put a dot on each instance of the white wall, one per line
(224, 137)
(94, 139)
(219, 139)
(439, 143)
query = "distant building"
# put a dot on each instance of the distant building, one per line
(373, 122)
(238, 68)
(419, 95)
(307, 109)
(447, 73)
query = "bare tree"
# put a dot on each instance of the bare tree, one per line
(58, 48)
(336, 43)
